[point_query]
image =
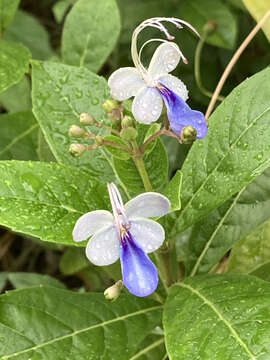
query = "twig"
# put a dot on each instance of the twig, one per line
(156, 134)
(232, 63)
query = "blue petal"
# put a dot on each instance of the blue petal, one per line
(140, 275)
(180, 114)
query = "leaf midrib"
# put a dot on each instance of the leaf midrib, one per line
(76, 332)
(218, 164)
(212, 237)
(18, 138)
(220, 316)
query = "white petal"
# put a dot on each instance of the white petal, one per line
(174, 84)
(104, 247)
(125, 82)
(90, 223)
(148, 233)
(147, 105)
(164, 60)
(148, 204)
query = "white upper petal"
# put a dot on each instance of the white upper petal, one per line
(104, 247)
(125, 83)
(174, 84)
(165, 59)
(90, 223)
(148, 204)
(147, 105)
(148, 233)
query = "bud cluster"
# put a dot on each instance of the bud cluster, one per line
(122, 126)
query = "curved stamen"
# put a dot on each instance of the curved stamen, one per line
(118, 208)
(164, 41)
(155, 23)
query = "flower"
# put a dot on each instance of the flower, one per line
(154, 85)
(126, 234)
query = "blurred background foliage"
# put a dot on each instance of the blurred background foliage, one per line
(38, 25)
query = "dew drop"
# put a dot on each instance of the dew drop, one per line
(95, 100)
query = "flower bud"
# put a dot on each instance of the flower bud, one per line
(76, 131)
(127, 121)
(129, 134)
(113, 291)
(99, 139)
(209, 27)
(77, 149)
(110, 104)
(188, 134)
(87, 119)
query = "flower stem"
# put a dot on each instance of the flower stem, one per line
(156, 134)
(138, 161)
(232, 63)
(197, 71)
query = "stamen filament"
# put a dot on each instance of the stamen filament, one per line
(118, 209)
(155, 23)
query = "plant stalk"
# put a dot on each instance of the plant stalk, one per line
(138, 161)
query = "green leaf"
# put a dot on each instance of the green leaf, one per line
(17, 97)
(22, 280)
(43, 150)
(252, 254)
(199, 13)
(235, 151)
(238, 4)
(117, 152)
(60, 8)
(156, 165)
(26, 29)
(203, 245)
(152, 348)
(14, 63)
(173, 191)
(68, 325)
(46, 199)
(73, 260)
(60, 94)
(18, 136)
(151, 130)
(218, 317)
(258, 9)
(90, 33)
(8, 9)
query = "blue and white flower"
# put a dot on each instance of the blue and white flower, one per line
(154, 85)
(128, 234)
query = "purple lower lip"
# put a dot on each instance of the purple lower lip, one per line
(139, 273)
(180, 114)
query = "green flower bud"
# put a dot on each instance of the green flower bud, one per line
(99, 139)
(127, 121)
(77, 149)
(87, 119)
(128, 134)
(113, 291)
(110, 104)
(188, 134)
(210, 27)
(76, 131)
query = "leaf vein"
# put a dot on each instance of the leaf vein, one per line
(76, 332)
(221, 317)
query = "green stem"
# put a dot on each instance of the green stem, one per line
(162, 271)
(197, 72)
(138, 161)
